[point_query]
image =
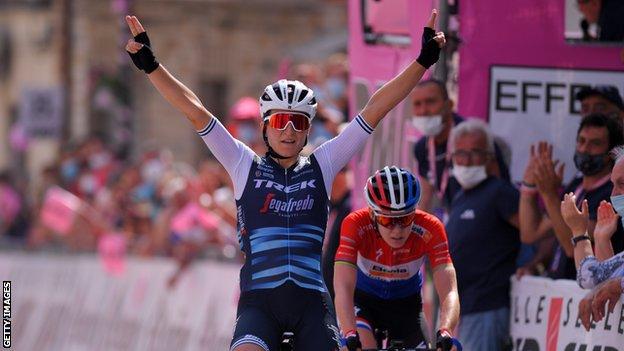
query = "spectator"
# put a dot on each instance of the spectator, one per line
(336, 83)
(483, 237)
(13, 221)
(592, 270)
(434, 118)
(592, 306)
(243, 123)
(596, 135)
(606, 15)
(603, 99)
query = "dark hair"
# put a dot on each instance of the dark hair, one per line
(613, 125)
(440, 84)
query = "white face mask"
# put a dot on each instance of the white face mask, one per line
(428, 125)
(469, 176)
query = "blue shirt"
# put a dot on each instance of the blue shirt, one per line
(483, 244)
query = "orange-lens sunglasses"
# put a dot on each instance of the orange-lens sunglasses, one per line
(280, 120)
(390, 222)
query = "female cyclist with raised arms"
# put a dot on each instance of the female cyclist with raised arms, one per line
(377, 275)
(282, 197)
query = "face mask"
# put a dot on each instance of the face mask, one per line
(428, 125)
(589, 164)
(98, 160)
(335, 87)
(152, 171)
(87, 184)
(69, 170)
(246, 133)
(469, 176)
(618, 204)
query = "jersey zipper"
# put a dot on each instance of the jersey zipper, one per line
(287, 221)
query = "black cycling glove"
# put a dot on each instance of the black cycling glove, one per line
(144, 58)
(430, 51)
(353, 341)
(444, 340)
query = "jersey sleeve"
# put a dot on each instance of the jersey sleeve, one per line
(235, 156)
(349, 240)
(437, 248)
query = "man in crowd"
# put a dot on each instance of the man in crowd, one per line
(433, 116)
(603, 99)
(483, 237)
(606, 15)
(597, 134)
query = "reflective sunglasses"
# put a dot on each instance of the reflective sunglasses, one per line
(280, 120)
(390, 222)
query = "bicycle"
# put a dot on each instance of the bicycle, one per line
(397, 345)
(288, 341)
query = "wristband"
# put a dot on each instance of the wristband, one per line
(444, 330)
(528, 185)
(349, 333)
(576, 239)
(528, 189)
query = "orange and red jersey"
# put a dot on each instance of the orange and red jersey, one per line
(382, 270)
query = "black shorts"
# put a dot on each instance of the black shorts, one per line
(402, 318)
(264, 315)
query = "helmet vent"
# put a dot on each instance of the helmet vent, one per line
(278, 92)
(303, 94)
(291, 93)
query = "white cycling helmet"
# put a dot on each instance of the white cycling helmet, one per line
(289, 95)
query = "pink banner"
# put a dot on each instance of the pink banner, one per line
(523, 33)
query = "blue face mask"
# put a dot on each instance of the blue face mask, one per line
(69, 170)
(617, 202)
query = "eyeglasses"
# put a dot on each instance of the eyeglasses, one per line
(390, 222)
(280, 121)
(466, 156)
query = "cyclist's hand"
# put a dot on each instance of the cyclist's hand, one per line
(444, 341)
(139, 48)
(432, 42)
(353, 341)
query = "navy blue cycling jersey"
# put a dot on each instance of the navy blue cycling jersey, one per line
(281, 224)
(282, 213)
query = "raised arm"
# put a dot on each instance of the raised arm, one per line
(176, 93)
(394, 91)
(530, 217)
(604, 229)
(548, 178)
(577, 222)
